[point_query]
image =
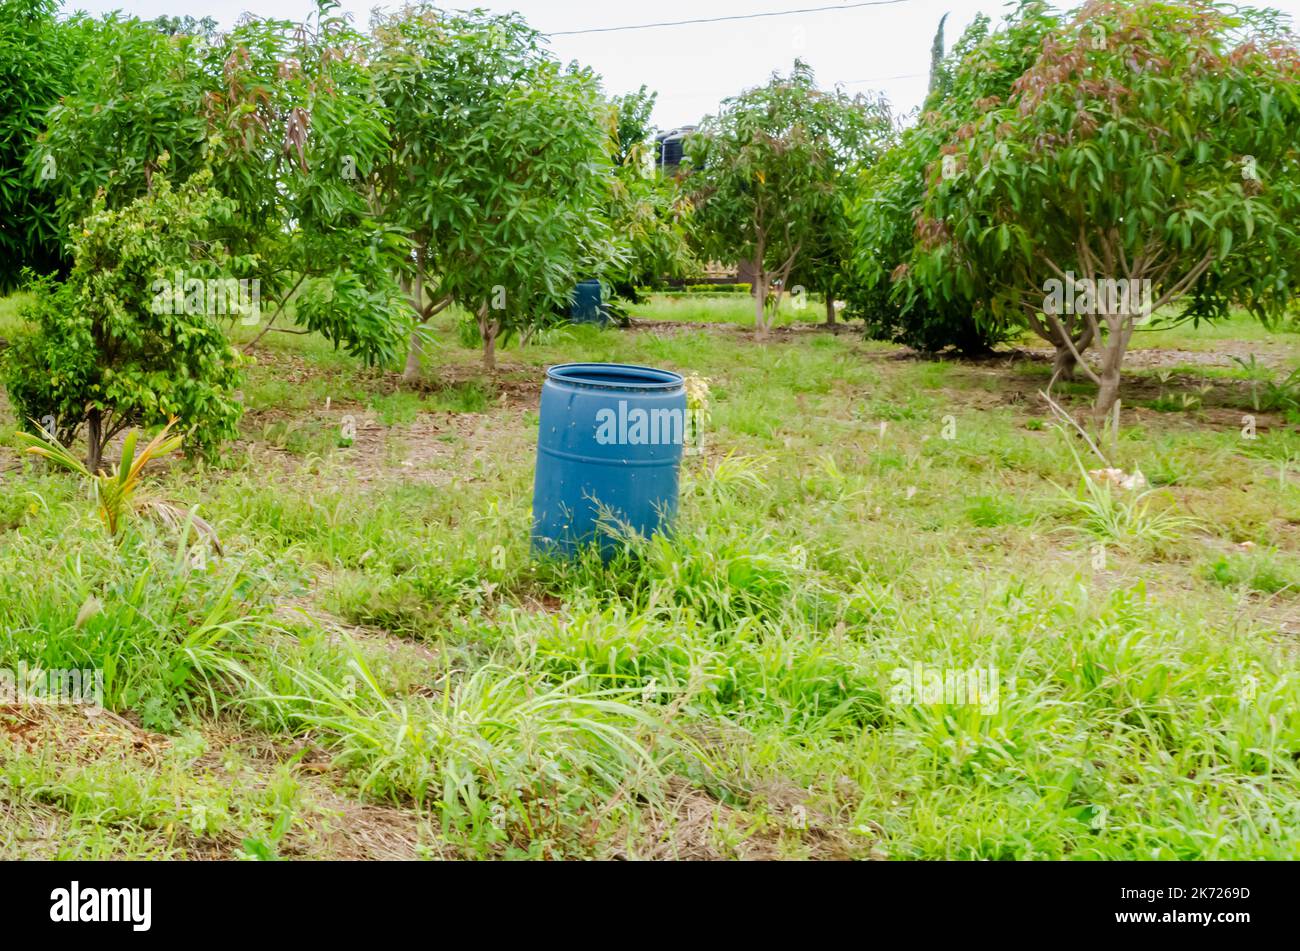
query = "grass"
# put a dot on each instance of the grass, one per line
(1264, 572)
(1239, 327)
(727, 308)
(375, 666)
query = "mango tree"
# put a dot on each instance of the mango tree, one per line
(496, 169)
(1147, 157)
(764, 174)
(647, 210)
(931, 316)
(294, 127)
(828, 262)
(39, 59)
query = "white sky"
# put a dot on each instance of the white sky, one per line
(885, 48)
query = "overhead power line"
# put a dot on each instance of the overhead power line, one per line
(879, 79)
(842, 82)
(739, 16)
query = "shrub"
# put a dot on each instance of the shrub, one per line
(701, 290)
(743, 288)
(106, 350)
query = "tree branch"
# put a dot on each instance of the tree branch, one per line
(1069, 342)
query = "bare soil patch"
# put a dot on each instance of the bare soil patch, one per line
(335, 824)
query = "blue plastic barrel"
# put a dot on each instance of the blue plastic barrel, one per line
(586, 306)
(609, 447)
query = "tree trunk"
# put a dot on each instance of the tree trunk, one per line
(413, 356)
(830, 309)
(1107, 393)
(488, 328)
(760, 303)
(94, 440)
(1117, 337)
(1063, 363)
(416, 350)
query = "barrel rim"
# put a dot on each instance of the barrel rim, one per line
(637, 377)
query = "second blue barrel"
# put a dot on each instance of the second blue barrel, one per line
(587, 305)
(609, 447)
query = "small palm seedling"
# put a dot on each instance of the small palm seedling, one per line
(115, 491)
(1284, 394)
(1177, 402)
(1269, 394)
